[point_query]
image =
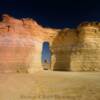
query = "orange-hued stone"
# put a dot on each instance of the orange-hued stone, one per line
(21, 43)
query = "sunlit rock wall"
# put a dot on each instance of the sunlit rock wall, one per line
(21, 42)
(77, 49)
(86, 54)
(62, 49)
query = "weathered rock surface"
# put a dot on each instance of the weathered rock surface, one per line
(86, 56)
(72, 49)
(21, 44)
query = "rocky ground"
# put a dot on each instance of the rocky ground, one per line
(47, 85)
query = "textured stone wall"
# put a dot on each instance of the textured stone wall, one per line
(18, 56)
(86, 55)
(62, 48)
(77, 50)
(21, 44)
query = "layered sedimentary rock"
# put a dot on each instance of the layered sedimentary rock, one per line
(21, 43)
(62, 48)
(86, 55)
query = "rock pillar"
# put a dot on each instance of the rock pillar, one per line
(35, 58)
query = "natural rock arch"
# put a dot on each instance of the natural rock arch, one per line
(72, 49)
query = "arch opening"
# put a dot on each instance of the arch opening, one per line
(46, 56)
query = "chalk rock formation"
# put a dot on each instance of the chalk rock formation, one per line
(77, 49)
(62, 48)
(21, 43)
(86, 55)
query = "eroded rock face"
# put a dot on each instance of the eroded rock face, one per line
(21, 43)
(86, 55)
(62, 49)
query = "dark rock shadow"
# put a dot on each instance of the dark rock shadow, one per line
(61, 49)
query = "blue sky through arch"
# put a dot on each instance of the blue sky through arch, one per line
(46, 54)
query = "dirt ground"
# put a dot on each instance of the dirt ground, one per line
(48, 85)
